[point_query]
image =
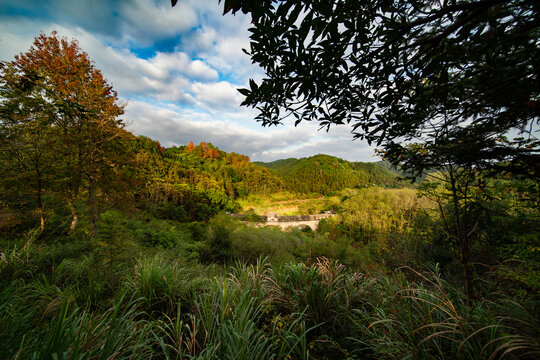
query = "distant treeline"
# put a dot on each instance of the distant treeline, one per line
(326, 174)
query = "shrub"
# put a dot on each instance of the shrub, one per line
(172, 212)
(152, 238)
(250, 244)
(163, 284)
(324, 291)
(218, 239)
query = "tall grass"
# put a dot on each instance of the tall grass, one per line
(119, 333)
(430, 319)
(163, 284)
(88, 301)
(228, 323)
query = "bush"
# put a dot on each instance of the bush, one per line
(250, 244)
(111, 226)
(172, 212)
(252, 217)
(164, 284)
(152, 238)
(197, 230)
(218, 239)
(163, 235)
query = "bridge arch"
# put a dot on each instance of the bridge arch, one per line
(285, 222)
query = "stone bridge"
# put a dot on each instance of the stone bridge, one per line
(284, 225)
(285, 222)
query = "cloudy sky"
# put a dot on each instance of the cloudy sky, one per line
(177, 69)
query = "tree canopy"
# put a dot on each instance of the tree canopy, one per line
(404, 71)
(59, 131)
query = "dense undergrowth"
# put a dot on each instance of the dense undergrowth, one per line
(224, 290)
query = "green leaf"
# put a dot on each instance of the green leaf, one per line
(245, 92)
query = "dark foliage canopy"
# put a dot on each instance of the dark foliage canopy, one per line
(462, 77)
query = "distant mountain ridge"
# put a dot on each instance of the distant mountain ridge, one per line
(325, 174)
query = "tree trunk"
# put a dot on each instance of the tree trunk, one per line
(74, 216)
(92, 180)
(91, 200)
(41, 216)
(463, 240)
(39, 202)
(467, 275)
(41, 220)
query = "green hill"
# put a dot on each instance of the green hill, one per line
(279, 165)
(201, 179)
(325, 174)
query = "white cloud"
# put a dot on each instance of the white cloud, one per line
(185, 95)
(171, 77)
(179, 62)
(181, 127)
(144, 21)
(223, 51)
(177, 126)
(216, 96)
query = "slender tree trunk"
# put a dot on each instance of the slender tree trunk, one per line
(91, 199)
(463, 240)
(467, 275)
(39, 202)
(73, 156)
(74, 216)
(92, 182)
(41, 213)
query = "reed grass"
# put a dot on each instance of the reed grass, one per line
(80, 304)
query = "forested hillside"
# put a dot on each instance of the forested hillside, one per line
(326, 174)
(195, 182)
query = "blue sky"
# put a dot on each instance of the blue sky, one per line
(177, 69)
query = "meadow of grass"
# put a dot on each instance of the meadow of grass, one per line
(286, 203)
